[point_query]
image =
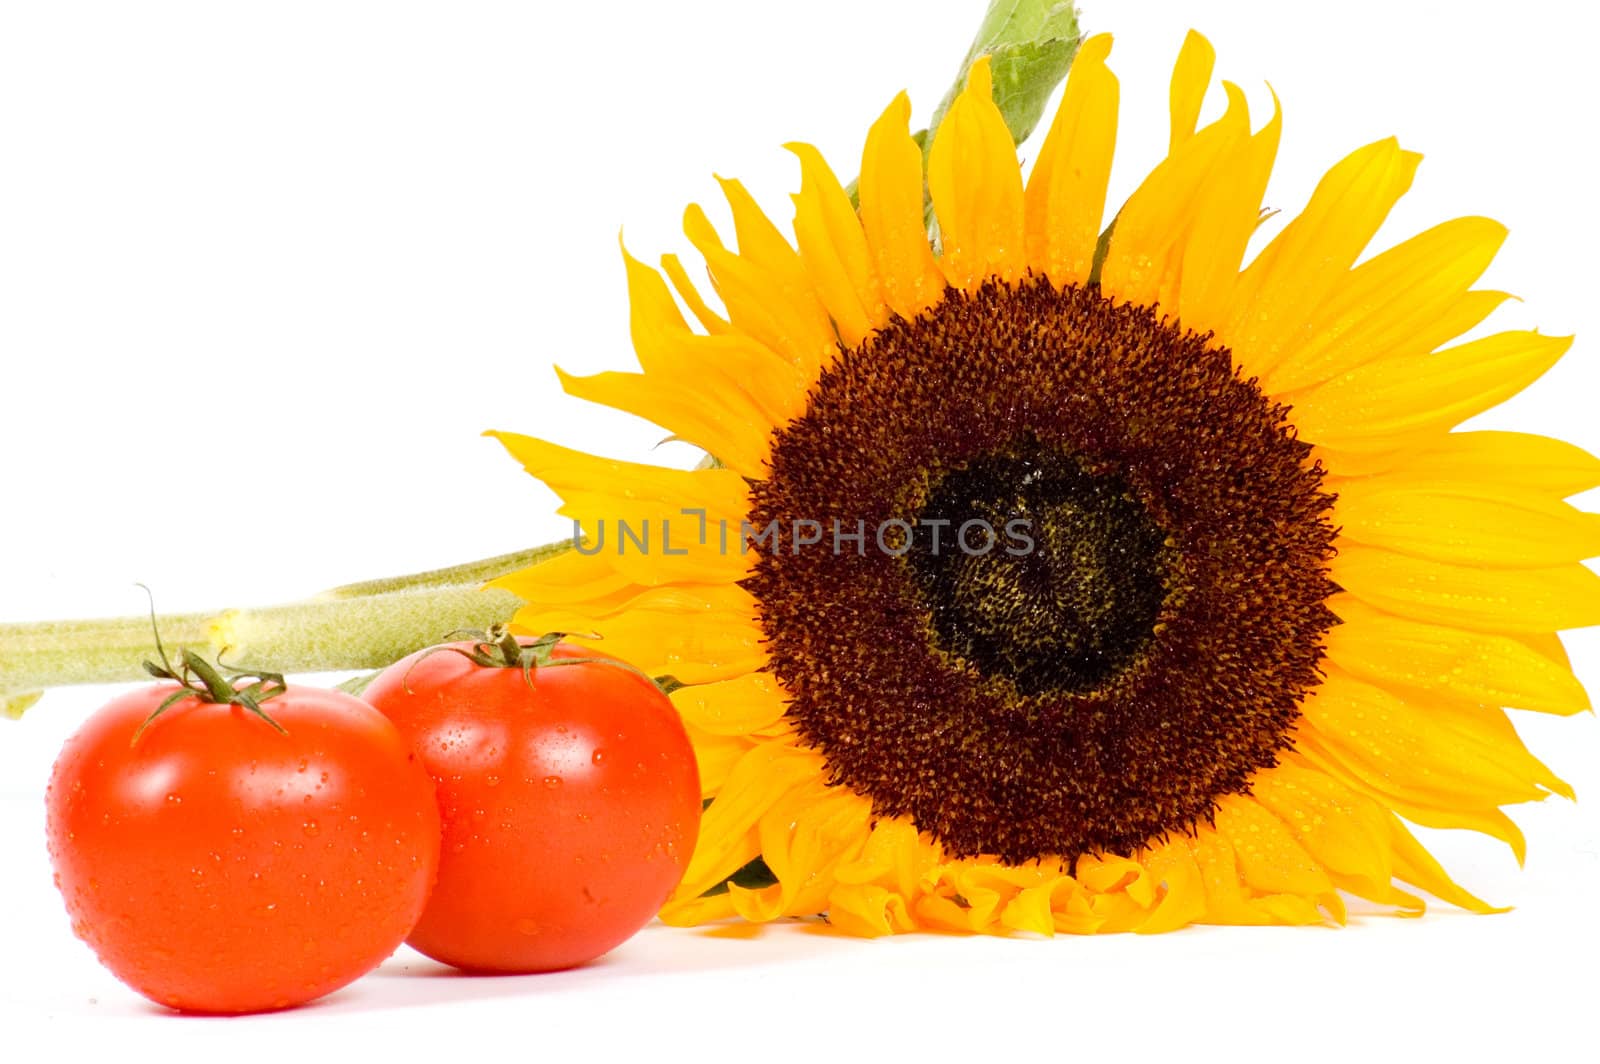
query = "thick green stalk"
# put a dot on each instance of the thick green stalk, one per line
(359, 626)
(469, 573)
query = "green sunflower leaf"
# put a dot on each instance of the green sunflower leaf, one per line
(1031, 43)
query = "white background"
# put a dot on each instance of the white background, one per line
(304, 253)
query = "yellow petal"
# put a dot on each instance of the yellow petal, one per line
(891, 213)
(1270, 860)
(1191, 77)
(733, 707)
(1439, 755)
(1066, 196)
(1487, 600)
(1504, 461)
(1464, 523)
(869, 911)
(1419, 288)
(728, 835)
(723, 422)
(696, 634)
(1369, 407)
(1345, 832)
(709, 319)
(1033, 908)
(896, 857)
(692, 912)
(1226, 899)
(1276, 296)
(636, 513)
(723, 365)
(569, 577)
(1183, 899)
(976, 187)
(1484, 819)
(834, 249)
(1415, 865)
(802, 838)
(765, 300)
(716, 756)
(1145, 259)
(658, 330)
(1228, 214)
(1475, 667)
(761, 243)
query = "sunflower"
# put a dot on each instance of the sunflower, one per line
(1053, 582)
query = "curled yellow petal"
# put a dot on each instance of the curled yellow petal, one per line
(728, 831)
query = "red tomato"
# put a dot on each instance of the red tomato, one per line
(220, 865)
(570, 800)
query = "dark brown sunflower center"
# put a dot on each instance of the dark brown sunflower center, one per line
(1034, 568)
(1127, 600)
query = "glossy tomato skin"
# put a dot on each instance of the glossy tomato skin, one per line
(570, 806)
(217, 865)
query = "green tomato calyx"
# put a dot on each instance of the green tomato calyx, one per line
(500, 648)
(217, 684)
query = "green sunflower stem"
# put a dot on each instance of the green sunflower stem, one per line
(358, 626)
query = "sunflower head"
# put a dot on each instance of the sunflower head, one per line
(1062, 577)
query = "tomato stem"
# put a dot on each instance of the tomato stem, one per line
(499, 648)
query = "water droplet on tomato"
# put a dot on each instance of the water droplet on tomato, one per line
(491, 781)
(174, 799)
(310, 828)
(598, 756)
(552, 782)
